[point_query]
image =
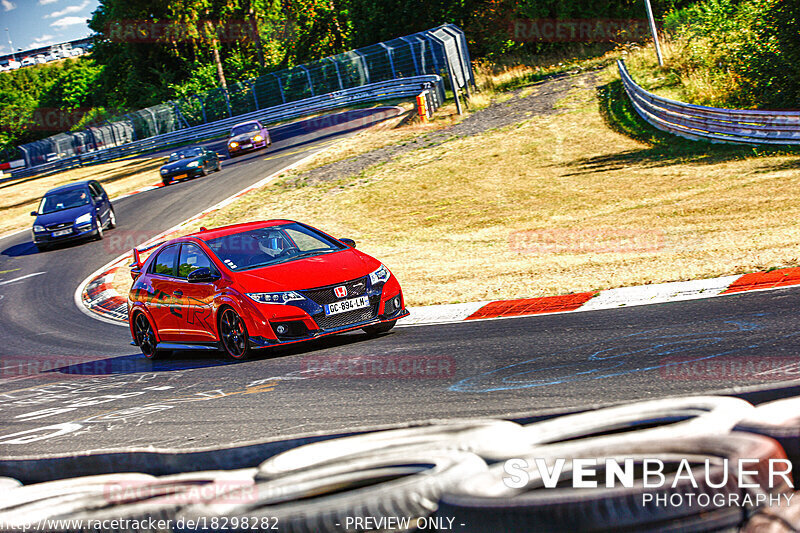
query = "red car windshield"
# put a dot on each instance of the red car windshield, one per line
(245, 128)
(271, 245)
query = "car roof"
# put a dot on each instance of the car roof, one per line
(69, 187)
(248, 122)
(214, 233)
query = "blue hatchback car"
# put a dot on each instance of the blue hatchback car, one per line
(70, 212)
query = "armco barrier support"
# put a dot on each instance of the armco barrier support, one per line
(738, 126)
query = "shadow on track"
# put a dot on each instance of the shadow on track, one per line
(188, 360)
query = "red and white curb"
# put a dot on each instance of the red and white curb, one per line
(607, 299)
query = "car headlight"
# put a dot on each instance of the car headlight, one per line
(83, 219)
(381, 275)
(234, 144)
(38, 229)
(193, 164)
(258, 139)
(163, 170)
(275, 297)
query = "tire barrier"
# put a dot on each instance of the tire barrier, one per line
(465, 475)
(486, 438)
(779, 420)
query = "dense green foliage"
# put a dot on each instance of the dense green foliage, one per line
(46, 99)
(748, 49)
(754, 42)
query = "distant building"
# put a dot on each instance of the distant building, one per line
(56, 51)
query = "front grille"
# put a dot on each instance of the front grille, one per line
(325, 295)
(351, 317)
(55, 227)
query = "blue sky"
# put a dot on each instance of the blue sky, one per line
(35, 23)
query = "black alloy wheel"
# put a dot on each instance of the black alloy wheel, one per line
(145, 336)
(233, 334)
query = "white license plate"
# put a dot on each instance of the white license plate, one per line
(61, 232)
(347, 305)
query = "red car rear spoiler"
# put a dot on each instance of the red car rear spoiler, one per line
(136, 266)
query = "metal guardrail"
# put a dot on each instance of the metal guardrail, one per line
(385, 90)
(441, 51)
(712, 123)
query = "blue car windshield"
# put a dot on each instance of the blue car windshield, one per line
(245, 128)
(271, 245)
(185, 154)
(63, 200)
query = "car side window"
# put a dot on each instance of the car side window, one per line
(164, 263)
(96, 194)
(193, 258)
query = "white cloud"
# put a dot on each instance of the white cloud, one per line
(69, 9)
(45, 2)
(43, 40)
(8, 5)
(68, 21)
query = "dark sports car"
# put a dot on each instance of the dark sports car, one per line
(71, 212)
(189, 163)
(257, 285)
(246, 137)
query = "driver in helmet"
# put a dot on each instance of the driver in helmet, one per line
(271, 244)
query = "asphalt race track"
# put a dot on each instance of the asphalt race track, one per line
(71, 383)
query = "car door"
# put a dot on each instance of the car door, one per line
(197, 299)
(100, 202)
(164, 294)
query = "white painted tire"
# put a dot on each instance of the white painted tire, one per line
(135, 497)
(402, 484)
(486, 438)
(8, 483)
(674, 417)
(779, 420)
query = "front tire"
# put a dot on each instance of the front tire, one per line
(41, 247)
(112, 219)
(99, 233)
(380, 328)
(233, 334)
(166, 181)
(145, 336)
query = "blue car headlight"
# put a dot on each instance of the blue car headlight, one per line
(39, 229)
(164, 171)
(83, 219)
(193, 164)
(275, 297)
(381, 275)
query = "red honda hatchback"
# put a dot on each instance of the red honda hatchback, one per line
(257, 285)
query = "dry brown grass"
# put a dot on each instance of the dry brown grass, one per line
(558, 204)
(19, 197)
